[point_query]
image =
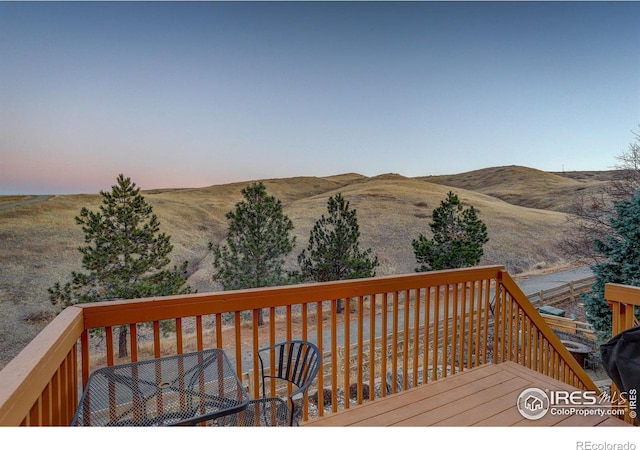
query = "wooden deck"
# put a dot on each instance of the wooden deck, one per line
(482, 396)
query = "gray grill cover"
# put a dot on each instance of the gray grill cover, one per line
(621, 360)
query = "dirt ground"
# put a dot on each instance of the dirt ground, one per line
(573, 309)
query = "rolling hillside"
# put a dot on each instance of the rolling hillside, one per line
(528, 187)
(525, 211)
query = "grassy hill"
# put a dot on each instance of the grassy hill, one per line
(528, 187)
(525, 211)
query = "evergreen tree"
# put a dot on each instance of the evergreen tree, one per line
(125, 255)
(621, 250)
(333, 252)
(258, 240)
(458, 238)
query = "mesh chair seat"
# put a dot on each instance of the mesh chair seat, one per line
(262, 412)
(294, 362)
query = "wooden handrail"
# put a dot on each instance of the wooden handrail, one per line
(44, 374)
(419, 327)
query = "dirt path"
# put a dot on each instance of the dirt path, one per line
(533, 284)
(37, 199)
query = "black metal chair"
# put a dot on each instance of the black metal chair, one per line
(296, 363)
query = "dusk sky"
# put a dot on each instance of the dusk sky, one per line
(181, 94)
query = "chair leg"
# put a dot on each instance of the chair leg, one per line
(268, 412)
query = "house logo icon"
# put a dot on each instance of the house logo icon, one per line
(533, 403)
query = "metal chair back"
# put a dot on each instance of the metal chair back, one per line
(296, 362)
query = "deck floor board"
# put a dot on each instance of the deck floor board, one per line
(482, 396)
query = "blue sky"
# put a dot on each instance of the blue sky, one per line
(180, 94)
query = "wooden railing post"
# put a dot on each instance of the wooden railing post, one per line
(622, 300)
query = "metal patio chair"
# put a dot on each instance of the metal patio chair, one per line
(296, 363)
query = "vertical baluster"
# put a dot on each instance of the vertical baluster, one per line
(416, 336)
(320, 345)
(372, 345)
(218, 331)
(199, 333)
(69, 385)
(156, 338)
(305, 337)
(394, 350)
(544, 357)
(272, 327)
(509, 321)
(133, 332)
(289, 325)
(481, 310)
(360, 352)
(527, 341)
(273, 338)
(109, 345)
(498, 325)
(455, 327)
(535, 347)
(425, 334)
(305, 321)
(334, 356)
(57, 403)
(445, 332)
(436, 332)
(472, 308)
(179, 341)
(255, 346)
(504, 310)
(160, 393)
(405, 341)
(346, 325)
(45, 419)
(515, 318)
(238, 337)
(485, 326)
(383, 343)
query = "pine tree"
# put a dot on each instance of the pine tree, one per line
(621, 263)
(333, 252)
(458, 238)
(125, 255)
(258, 240)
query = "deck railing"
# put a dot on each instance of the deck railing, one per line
(395, 332)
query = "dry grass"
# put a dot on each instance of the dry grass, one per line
(528, 187)
(6, 199)
(524, 209)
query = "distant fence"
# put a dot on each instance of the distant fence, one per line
(559, 294)
(570, 326)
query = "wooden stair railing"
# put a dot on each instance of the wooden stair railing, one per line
(528, 340)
